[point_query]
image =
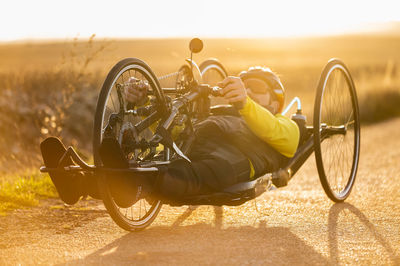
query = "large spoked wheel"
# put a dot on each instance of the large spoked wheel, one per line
(141, 213)
(212, 71)
(336, 131)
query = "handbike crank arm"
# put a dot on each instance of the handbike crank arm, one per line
(162, 132)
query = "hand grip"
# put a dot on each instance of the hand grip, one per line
(217, 92)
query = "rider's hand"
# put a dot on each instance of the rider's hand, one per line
(234, 91)
(136, 90)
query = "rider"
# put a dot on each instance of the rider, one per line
(232, 148)
(229, 147)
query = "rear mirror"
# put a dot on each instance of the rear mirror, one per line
(196, 45)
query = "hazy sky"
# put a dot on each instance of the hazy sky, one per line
(36, 19)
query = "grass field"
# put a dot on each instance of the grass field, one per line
(50, 88)
(24, 190)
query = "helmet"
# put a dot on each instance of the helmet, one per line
(269, 77)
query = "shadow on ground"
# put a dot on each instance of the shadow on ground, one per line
(334, 213)
(209, 244)
(201, 243)
(205, 243)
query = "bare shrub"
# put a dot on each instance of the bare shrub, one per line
(54, 102)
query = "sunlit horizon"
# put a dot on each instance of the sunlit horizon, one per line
(45, 19)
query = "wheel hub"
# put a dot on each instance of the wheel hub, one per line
(127, 139)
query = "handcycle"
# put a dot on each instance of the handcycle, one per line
(144, 133)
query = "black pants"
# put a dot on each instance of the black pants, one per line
(218, 159)
(214, 166)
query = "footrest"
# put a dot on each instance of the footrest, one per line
(55, 157)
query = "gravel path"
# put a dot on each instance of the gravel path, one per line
(296, 224)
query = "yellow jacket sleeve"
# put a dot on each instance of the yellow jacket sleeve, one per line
(279, 131)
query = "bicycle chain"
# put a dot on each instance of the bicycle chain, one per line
(168, 75)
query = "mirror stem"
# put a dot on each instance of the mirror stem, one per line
(191, 62)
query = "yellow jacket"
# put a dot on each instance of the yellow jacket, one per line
(279, 131)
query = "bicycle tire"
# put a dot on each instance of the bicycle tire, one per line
(212, 71)
(118, 214)
(337, 155)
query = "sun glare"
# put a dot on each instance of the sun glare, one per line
(174, 18)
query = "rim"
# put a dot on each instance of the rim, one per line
(212, 74)
(142, 211)
(339, 152)
(133, 71)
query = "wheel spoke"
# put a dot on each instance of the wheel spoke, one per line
(140, 209)
(112, 101)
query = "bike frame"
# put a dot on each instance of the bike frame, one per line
(241, 192)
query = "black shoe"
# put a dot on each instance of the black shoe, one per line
(126, 188)
(69, 185)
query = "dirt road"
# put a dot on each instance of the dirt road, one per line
(296, 224)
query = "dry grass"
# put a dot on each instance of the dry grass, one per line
(51, 88)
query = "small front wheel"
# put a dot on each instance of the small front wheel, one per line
(336, 130)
